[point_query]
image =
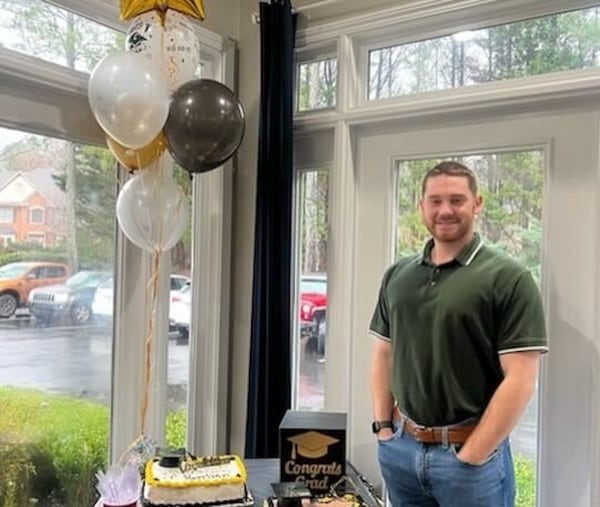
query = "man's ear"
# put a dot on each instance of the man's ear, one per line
(478, 203)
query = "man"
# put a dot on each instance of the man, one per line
(458, 334)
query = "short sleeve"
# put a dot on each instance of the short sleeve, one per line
(380, 321)
(521, 319)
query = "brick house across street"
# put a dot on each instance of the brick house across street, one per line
(32, 208)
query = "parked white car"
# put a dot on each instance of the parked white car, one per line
(102, 305)
(180, 311)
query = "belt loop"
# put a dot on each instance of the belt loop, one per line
(445, 443)
(401, 425)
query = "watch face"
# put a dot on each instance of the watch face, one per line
(377, 426)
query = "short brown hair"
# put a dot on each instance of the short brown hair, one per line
(451, 168)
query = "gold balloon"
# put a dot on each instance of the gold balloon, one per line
(137, 158)
(132, 8)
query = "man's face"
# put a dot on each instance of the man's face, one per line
(449, 207)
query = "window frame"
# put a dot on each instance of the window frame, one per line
(10, 209)
(472, 21)
(42, 210)
(51, 88)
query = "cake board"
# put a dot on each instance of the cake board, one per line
(247, 502)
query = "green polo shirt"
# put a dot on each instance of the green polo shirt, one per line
(448, 324)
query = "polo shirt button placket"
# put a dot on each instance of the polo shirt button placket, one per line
(435, 273)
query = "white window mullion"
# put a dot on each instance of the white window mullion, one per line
(208, 391)
(340, 282)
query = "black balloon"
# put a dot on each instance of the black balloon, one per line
(205, 126)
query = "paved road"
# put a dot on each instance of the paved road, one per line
(69, 360)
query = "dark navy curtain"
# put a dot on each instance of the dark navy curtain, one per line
(269, 386)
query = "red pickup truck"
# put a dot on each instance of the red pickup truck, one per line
(313, 309)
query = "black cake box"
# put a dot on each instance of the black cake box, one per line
(312, 448)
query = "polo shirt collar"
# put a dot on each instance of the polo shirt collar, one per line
(464, 257)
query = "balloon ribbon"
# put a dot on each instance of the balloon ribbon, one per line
(153, 285)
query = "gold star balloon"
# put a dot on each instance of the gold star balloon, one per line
(132, 8)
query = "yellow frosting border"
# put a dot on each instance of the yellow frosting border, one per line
(152, 481)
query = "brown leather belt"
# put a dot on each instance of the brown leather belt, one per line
(434, 434)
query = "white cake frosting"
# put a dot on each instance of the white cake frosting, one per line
(206, 480)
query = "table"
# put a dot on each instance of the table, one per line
(263, 472)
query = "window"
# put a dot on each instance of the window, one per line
(31, 29)
(7, 239)
(178, 282)
(526, 48)
(36, 237)
(64, 397)
(313, 191)
(511, 184)
(36, 215)
(39, 29)
(180, 316)
(316, 86)
(7, 215)
(55, 272)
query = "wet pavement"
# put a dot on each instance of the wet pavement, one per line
(76, 361)
(71, 360)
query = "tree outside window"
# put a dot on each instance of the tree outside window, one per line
(527, 48)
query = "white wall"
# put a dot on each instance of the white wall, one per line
(222, 17)
(244, 194)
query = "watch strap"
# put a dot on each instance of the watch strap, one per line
(377, 426)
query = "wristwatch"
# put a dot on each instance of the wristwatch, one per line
(377, 426)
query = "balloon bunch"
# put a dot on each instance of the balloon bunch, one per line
(148, 101)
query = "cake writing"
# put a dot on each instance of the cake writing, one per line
(198, 473)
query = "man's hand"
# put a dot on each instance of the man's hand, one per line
(385, 434)
(471, 459)
(505, 408)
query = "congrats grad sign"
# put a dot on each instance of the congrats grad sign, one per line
(312, 448)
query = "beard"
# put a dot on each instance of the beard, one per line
(449, 231)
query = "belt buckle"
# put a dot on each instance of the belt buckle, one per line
(421, 431)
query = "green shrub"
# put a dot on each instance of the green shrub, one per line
(52, 446)
(176, 428)
(525, 478)
(63, 441)
(40, 255)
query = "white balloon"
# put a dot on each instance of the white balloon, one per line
(174, 47)
(152, 210)
(129, 98)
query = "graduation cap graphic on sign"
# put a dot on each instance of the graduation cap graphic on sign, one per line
(311, 444)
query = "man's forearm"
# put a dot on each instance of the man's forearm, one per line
(501, 415)
(383, 402)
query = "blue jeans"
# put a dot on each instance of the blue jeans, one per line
(430, 475)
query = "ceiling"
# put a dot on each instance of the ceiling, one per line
(312, 11)
(323, 11)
